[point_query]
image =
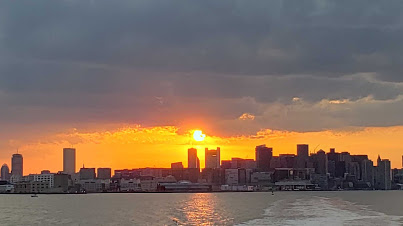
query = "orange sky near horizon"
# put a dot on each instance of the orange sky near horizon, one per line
(137, 147)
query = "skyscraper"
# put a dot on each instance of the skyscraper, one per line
(17, 169)
(69, 160)
(263, 156)
(5, 172)
(383, 178)
(302, 155)
(368, 172)
(193, 160)
(212, 158)
(320, 162)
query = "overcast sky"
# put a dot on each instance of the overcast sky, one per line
(287, 65)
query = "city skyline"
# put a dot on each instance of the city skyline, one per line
(214, 160)
(305, 170)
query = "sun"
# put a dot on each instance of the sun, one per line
(198, 135)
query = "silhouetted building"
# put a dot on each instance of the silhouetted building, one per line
(212, 158)
(383, 179)
(303, 150)
(275, 162)
(193, 160)
(333, 158)
(45, 172)
(5, 172)
(189, 174)
(69, 160)
(87, 173)
(263, 156)
(17, 169)
(302, 156)
(177, 165)
(61, 182)
(104, 173)
(213, 176)
(368, 174)
(287, 161)
(226, 164)
(237, 163)
(320, 162)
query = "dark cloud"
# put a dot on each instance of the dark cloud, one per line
(154, 61)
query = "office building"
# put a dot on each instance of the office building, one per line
(302, 155)
(193, 160)
(69, 160)
(368, 172)
(87, 173)
(177, 165)
(104, 173)
(303, 150)
(226, 164)
(17, 169)
(231, 177)
(5, 172)
(95, 185)
(237, 163)
(212, 158)
(320, 162)
(61, 182)
(383, 178)
(46, 178)
(263, 157)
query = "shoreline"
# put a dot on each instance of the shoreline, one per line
(195, 192)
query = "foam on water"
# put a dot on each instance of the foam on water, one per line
(322, 211)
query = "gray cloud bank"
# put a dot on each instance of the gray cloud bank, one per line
(295, 65)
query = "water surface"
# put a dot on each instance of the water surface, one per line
(284, 208)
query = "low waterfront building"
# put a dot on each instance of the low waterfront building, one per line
(32, 187)
(130, 185)
(43, 178)
(184, 186)
(262, 179)
(6, 187)
(301, 185)
(95, 185)
(61, 183)
(149, 185)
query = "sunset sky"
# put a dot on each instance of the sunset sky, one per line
(126, 82)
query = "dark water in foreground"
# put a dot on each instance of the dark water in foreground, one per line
(284, 208)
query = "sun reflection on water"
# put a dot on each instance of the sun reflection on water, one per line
(204, 209)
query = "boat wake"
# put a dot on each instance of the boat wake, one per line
(322, 211)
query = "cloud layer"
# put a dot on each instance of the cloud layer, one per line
(292, 65)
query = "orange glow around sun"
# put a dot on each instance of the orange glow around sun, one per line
(198, 135)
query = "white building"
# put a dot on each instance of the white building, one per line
(95, 185)
(49, 177)
(130, 185)
(149, 185)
